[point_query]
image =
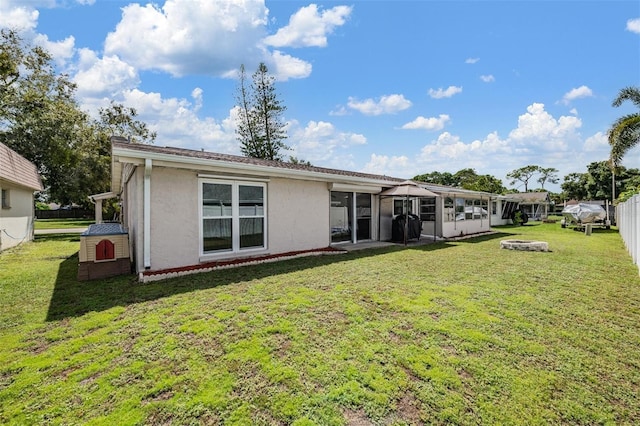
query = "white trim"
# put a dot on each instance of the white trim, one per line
(122, 154)
(238, 178)
(365, 189)
(148, 165)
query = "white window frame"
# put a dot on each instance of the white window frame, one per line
(235, 217)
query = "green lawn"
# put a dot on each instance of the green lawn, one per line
(62, 223)
(450, 333)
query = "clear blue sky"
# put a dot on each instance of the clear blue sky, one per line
(390, 87)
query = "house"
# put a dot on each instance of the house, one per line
(535, 204)
(19, 180)
(503, 209)
(184, 208)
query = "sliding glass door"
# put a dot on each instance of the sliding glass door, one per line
(363, 216)
(349, 209)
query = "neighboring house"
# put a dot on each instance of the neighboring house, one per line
(184, 208)
(535, 204)
(503, 208)
(19, 180)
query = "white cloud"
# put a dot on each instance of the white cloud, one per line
(392, 166)
(538, 138)
(597, 143)
(444, 93)
(190, 36)
(286, 67)
(320, 141)
(196, 94)
(309, 27)
(538, 128)
(633, 25)
(177, 123)
(105, 77)
(61, 51)
(471, 60)
(339, 111)
(430, 123)
(489, 78)
(576, 93)
(573, 111)
(23, 17)
(388, 104)
(448, 145)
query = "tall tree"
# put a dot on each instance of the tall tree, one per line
(574, 186)
(469, 179)
(625, 131)
(595, 184)
(246, 120)
(39, 117)
(260, 126)
(93, 170)
(548, 174)
(438, 178)
(465, 178)
(41, 120)
(523, 174)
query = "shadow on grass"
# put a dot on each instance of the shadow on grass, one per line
(73, 298)
(488, 237)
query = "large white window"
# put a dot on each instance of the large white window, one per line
(233, 216)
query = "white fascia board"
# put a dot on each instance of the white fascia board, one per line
(373, 189)
(159, 159)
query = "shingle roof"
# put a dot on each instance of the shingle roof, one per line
(18, 170)
(533, 197)
(121, 144)
(214, 156)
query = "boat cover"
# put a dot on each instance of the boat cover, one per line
(584, 213)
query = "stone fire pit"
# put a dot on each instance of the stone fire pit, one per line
(524, 245)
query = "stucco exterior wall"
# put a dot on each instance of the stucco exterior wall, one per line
(174, 218)
(16, 222)
(465, 227)
(496, 219)
(133, 216)
(298, 215)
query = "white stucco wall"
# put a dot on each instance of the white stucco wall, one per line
(496, 219)
(16, 223)
(297, 217)
(465, 227)
(132, 216)
(298, 214)
(174, 218)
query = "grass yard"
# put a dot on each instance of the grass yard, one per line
(62, 223)
(450, 333)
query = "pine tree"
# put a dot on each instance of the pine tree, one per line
(260, 127)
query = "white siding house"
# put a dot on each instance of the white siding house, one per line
(19, 180)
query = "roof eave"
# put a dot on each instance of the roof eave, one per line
(120, 155)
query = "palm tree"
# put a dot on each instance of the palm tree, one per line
(625, 131)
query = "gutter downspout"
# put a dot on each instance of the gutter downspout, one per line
(146, 248)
